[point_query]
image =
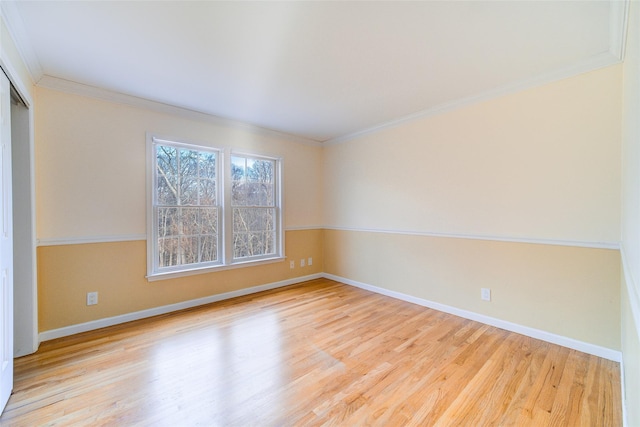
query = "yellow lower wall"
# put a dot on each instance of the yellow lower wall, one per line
(117, 272)
(569, 291)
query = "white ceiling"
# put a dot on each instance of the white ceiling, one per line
(319, 70)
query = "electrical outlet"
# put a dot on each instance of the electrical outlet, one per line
(292, 264)
(92, 298)
(302, 262)
(485, 294)
(310, 261)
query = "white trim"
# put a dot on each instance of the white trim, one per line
(15, 26)
(623, 394)
(302, 228)
(116, 320)
(59, 241)
(572, 243)
(554, 242)
(634, 302)
(90, 239)
(618, 20)
(602, 60)
(213, 268)
(634, 298)
(23, 89)
(584, 347)
(14, 77)
(68, 86)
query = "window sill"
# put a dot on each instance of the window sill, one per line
(203, 270)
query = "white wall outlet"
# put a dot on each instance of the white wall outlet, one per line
(302, 262)
(92, 298)
(485, 294)
(310, 261)
(292, 264)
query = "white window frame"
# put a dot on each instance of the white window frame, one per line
(225, 212)
(228, 208)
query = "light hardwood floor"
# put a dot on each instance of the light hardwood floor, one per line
(318, 353)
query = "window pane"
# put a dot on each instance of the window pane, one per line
(253, 219)
(207, 192)
(189, 191)
(188, 176)
(238, 182)
(240, 245)
(190, 221)
(253, 182)
(166, 175)
(237, 168)
(167, 252)
(258, 194)
(209, 221)
(208, 248)
(185, 180)
(207, 166)
(260, 170)
(167, 222)
(253, 231)
(189, 160)
(188, 253)
(239, 196)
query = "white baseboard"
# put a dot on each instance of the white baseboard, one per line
(513, 327)
(584, 347)
(116, 320)
(623, 394)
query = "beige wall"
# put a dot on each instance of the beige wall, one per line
(543, 163)
(630, 214)
(568, 291)
(540, 165)
(91, 165)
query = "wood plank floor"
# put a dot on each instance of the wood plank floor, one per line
(318, 353)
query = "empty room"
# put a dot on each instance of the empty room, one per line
(292, 213)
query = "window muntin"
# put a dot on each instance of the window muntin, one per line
(185, 206)
(210, 208)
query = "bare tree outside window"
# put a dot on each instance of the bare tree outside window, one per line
(210, 208)
(186, 207)
(253, 201)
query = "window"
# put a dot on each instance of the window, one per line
(253, 200)
(196, 222)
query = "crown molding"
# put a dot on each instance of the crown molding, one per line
(15, 26)
(68, 86)
(595, 62)
(618, 18)
(618, 21)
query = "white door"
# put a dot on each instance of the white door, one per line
(6, 246)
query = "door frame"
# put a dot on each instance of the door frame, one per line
(28, 309)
